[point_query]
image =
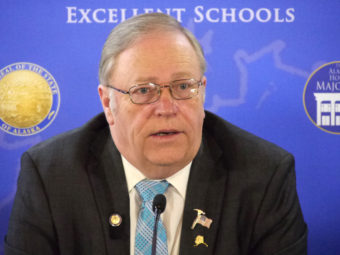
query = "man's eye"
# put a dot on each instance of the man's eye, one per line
(183, 86)
(143, 90)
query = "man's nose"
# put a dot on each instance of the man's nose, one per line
(166, 104)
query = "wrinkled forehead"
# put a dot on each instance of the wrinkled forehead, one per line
(159, 55)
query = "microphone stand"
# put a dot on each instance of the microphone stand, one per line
(159, 203)
(154, 238)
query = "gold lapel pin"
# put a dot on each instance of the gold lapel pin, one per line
(201, 219)
(199, 240)
(115, 220)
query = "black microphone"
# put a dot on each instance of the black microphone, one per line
(158, 206)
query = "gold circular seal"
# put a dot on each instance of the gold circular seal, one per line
(115, 220)
(29, 99)
(25, 99)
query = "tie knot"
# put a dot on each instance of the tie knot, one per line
(148, 189)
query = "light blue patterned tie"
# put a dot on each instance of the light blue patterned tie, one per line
(147, 190)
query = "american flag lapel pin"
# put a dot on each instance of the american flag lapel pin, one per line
(202, 219)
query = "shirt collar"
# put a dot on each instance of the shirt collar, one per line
(179, 180)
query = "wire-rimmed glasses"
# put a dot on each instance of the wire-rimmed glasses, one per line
(148, 93)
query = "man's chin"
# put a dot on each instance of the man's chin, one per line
(163, 169)
(168, 161)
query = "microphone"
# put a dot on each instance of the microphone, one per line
(158, 206)
(159, 203)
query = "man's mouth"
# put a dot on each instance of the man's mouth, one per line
(166, 133)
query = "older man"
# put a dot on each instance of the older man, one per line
(90, 191)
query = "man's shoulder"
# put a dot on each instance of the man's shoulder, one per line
(235, 140)
(248, 159)
(74, 141)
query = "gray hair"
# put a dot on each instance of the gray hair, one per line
(127, 32)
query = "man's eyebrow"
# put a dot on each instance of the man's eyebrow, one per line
(154, 79)
(182, 75)
(146, 79)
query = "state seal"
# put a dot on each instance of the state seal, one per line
(321, 97)
(29, 99)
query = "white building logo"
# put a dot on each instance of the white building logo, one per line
(321, 97)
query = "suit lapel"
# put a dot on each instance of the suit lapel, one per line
(108, 181)
(205, 191)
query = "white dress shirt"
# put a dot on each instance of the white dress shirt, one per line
(172, 217)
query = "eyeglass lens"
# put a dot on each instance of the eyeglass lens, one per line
(149, 92)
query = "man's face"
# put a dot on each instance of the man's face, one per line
(162, 137)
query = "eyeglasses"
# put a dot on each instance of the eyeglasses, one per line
(148, 93)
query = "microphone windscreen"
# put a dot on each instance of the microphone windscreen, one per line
(159, 203)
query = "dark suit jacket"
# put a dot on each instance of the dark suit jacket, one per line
(70, 185)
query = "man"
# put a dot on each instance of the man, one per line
(227, 191)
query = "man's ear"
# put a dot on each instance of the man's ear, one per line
(204, 81)
(105, 100)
